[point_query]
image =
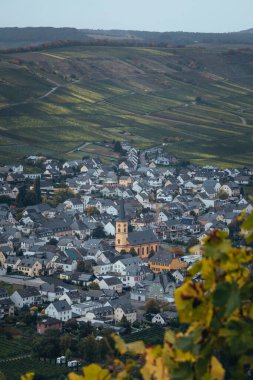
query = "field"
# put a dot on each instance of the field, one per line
(152, 335)
(16, 360)
(199, 99)
(14, 369)
(13, 347)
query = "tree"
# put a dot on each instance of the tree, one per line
(126, 324)
(8, 201)
(223, 195)
(152, 307)
(20, 200)
(198, 99)
(92, 211)
(68, 354)
(118, 148)
(133, 252)
(83, 266)
(86, 329)
(20, 252)
(234, 232)
(61, 196)
(71, 326)
(192, 242)
(37, 190)
(94, 286)
(98, 233)
(65, 342)
(53, 241)
(30, 198)
(88, 348)
(47, 346)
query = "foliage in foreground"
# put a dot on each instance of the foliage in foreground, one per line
(218, 308)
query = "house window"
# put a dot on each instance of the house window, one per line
(118, 241)
(142, 251)
(147, 250)
(156, 248)
(119, 229)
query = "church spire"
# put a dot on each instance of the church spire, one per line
(122, 214)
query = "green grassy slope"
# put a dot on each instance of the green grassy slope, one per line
(150, 93)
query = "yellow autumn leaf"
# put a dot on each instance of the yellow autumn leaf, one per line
(169, 337)
(95, 372)
(154, 367)
(137, 347)
(217, 371)
(74, 376)
(28, 376)
(208, 273)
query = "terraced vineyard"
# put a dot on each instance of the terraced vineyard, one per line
(199, 99)
(14, 369)
(13, 348)
(16, 360)
(152, 335)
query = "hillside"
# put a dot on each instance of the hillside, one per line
(20, 37)
(198, 98)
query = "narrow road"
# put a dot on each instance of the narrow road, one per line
(243, 120)
(80, 147)
(48, 93)
(33, 100)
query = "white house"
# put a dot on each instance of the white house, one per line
(162, 318)
(110, 282)
(60, 310)
(74, 204)
(109, 229)
(26, 297)
(71, 297)
(136, 187)
(102, 268)
(83, 308)
(125, 309)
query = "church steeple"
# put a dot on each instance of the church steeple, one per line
(121, 236)
(122, 214)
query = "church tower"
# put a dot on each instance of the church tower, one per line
(121, 235)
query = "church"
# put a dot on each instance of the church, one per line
(143, 242)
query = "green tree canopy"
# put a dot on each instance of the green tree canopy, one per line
(152, 306)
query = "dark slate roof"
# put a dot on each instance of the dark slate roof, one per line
(142, 237)
(162, 257)
(112, 281)
(28, 292)
(3, 293)
(169, 314)
(166, 278)
(103, 311)
(61, 306)
(124, 304)
(6, 302)
(94, 293)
